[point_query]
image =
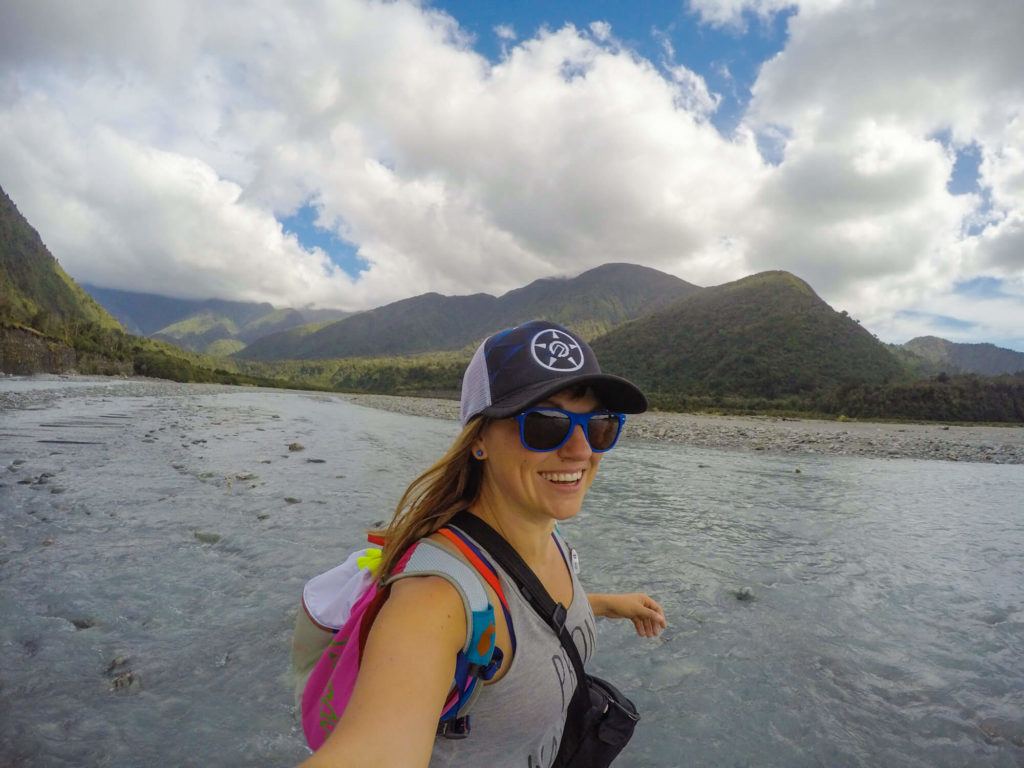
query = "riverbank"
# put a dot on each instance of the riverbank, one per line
(768, 434)
(772, 434)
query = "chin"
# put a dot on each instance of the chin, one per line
(561, 514)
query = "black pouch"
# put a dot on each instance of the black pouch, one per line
(607, 726)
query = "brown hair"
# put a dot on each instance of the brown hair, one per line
(433, 498)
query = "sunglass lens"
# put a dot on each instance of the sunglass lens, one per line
(602, 431)
(543, 431)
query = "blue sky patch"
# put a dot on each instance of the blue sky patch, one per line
(342, 253)
(965, 177)
(982, 288)
(941, 322)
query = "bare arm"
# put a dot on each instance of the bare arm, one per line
(405, 673)
(644, 611)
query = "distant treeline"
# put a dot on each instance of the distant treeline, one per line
(943, 398)
(436, 374)
(95, 349)
(966, 398)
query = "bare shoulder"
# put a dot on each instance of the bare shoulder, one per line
(430, 599)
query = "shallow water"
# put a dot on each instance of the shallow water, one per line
(885, 622)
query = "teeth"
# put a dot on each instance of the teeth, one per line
(563, 477)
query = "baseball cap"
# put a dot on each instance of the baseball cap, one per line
(520, 366)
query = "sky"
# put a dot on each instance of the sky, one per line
(350, 153)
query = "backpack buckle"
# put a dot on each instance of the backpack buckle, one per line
(558, 617)
(456, 728)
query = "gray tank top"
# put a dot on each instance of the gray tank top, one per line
(517, 722)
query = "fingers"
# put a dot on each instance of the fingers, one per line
(654, 605)
(647, 627)
(649, 619)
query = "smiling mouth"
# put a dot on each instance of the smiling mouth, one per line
(568, 479)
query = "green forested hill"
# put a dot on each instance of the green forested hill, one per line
(591, 304)
(34, 290)
(765, 336)
(49, 324)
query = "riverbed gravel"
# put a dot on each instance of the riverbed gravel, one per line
(770, 434)
(783, 435)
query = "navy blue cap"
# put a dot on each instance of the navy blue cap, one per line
(517, 368)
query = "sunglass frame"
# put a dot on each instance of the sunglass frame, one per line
(581, 419)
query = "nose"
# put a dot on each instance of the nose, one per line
(576, 447)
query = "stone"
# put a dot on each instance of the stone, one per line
(117, 661)
(126, 682)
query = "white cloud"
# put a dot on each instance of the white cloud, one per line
(449, 173)
(859, 203)
(505, 32)
(729, 13)
(601, 30)
(163, 222)
(155, 146)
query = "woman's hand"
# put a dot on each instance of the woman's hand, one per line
(644, 611)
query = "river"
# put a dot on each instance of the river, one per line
(823, 611)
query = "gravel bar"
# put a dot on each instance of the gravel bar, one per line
(772, 434)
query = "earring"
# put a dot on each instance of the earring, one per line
(479, 453)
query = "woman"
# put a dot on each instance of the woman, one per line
(535, 427)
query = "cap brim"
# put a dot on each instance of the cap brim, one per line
(614, 392)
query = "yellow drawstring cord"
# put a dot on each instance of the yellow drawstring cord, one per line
(370, 561)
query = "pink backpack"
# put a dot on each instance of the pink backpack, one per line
(346, 600)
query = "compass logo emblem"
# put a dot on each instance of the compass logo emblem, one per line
(556, 351)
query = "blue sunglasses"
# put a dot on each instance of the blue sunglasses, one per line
(547, 428)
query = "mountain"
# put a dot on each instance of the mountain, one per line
(768, 336)
(591, 304)
(34, 290)
(213, 326)
(952, 357)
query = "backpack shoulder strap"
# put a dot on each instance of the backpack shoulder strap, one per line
(430, 559)
(479, 658)
(487, 571)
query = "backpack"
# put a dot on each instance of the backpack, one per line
(340, 605)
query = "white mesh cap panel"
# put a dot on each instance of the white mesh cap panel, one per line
(476, 386)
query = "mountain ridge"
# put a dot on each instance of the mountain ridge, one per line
(590, 303)
(200, 324)
(957, 357)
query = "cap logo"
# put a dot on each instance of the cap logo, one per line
(556, 351)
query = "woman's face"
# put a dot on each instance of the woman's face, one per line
(542, 486)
